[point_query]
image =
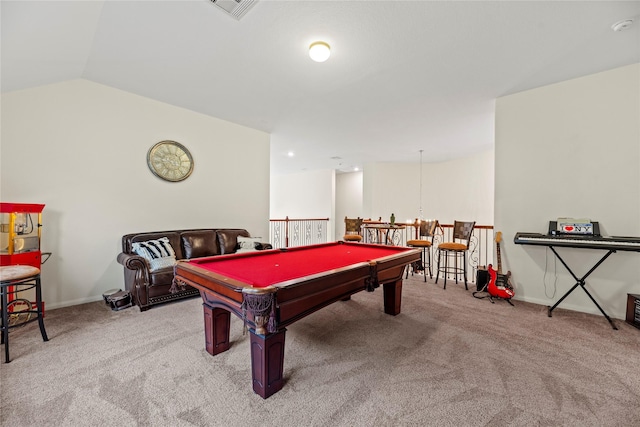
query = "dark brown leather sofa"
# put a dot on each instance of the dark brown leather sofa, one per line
(148, 287)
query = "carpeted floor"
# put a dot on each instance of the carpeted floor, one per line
(447, 360)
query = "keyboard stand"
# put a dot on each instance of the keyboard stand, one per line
(581, 282)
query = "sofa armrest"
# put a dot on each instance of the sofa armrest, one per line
(134, 262)
(137, 278)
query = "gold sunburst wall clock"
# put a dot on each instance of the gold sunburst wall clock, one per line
(170, 160)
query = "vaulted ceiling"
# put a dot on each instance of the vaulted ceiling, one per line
(403, 76)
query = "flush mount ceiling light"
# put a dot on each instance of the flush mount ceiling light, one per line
(319, 51)
(622, 25)
(420, 211)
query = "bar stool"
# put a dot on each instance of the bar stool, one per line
(14, 279)
(353, 229)
(424, 241)
(462, 232)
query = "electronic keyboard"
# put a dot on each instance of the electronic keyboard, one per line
(613, 243)
(588, 241)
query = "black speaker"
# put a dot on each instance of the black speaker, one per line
(482, 278)
(119, 300)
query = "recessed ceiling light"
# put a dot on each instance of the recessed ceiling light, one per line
(622, 25)
(319, 51)
(290, 154)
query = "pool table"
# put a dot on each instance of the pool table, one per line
(272, 289)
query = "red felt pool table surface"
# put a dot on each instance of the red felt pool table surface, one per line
(268, 268)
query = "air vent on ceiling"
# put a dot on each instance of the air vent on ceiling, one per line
(235, 8)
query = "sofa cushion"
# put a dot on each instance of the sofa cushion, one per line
(248, 244)
(159, 253)
(173, 236)
(228, 239)
(199, 243)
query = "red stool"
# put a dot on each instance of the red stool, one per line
(14, 279)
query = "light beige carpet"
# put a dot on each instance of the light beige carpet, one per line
(447, 360)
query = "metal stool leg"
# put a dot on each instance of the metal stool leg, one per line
(456, 269)
(446, 268)
(5, 325)
(27, 282)
(39, 308)
(423, 260)
(438, 266)
(424, 265)
(464, 268)
(455, 266)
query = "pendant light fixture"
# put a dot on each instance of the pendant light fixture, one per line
(421, 215)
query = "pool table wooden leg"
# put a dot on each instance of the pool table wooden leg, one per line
(217, 323)
(267, 362)
(392, 297)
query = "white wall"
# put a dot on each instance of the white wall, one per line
(460, 189)
(80, 148)
(348, 199)
(391, 188)
(571, 149)
(304, 195)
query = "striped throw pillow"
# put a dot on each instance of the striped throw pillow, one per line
(248, 244)
(159, 253)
